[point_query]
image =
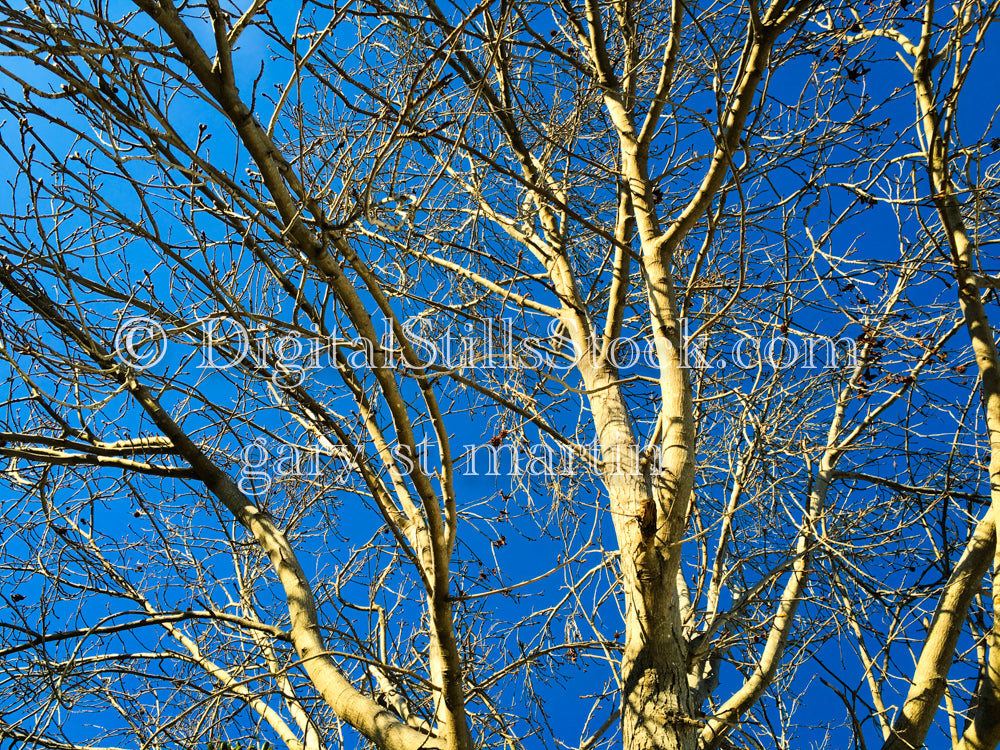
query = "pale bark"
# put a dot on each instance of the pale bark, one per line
(930, 677)
(672, 640)
(650, 507)
(931, 673)
(287, 192)
(361, 712)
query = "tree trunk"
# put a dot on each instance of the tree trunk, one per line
(656, 702)
(656, 708)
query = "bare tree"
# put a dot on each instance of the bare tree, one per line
(432, 376)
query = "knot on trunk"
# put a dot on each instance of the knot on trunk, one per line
(681, 718)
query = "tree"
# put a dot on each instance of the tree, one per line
(392, 370)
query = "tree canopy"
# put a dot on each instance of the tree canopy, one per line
(564, 374)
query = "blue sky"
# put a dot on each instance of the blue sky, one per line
(509, 532)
